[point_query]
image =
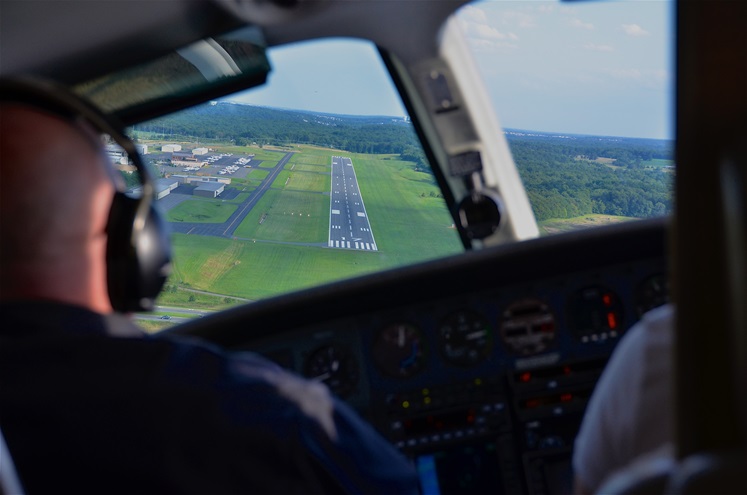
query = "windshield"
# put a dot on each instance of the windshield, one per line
(317, 177)
(584, 92)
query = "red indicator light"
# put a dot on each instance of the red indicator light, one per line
(566, 370)
(611, 320)
(532, 403)
(607, 300)
(525, 377)
(566, 397)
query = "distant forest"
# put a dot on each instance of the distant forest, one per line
(570, 176)
(565, 176)
(247, 125)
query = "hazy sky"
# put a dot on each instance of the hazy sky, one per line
(602, 68)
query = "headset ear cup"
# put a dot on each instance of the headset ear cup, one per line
(138, 262)
(154, 258)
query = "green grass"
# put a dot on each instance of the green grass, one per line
(307, 167)
(255, 270)
(258, 175)
(304, 181)
(211, 211)
(154, 326)
(409, 222)
(177, 295)
(558, 225)
(288, 216)
(282, 178)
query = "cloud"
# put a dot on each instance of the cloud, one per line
(488, 45)
(578, 23)
(634, 30)
(490, 33)
(518, 19)
(625, 73)
(476, 26)
(598, 48)
(474, 14)
(656, 79)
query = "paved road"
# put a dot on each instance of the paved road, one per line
(349, 227)
(227, 228)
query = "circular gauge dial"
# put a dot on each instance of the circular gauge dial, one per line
(335, 366)
(595, 315)
(465, 338)
(653, 292)
(528, 327)
(399, 350)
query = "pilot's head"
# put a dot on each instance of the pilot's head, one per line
(66, 232)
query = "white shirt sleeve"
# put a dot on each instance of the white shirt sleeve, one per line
(630, 410)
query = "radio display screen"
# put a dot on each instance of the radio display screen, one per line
(462, 469)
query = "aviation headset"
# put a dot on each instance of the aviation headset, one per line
(138, 252)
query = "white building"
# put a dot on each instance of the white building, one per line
(171, 147)
(165, 186)
(117, 154)
(142, 149)
(200, 151)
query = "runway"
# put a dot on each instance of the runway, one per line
(349, 227)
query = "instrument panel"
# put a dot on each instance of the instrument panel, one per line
(477, 367)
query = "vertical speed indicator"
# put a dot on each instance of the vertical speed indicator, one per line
(334, 365)
(465, 338)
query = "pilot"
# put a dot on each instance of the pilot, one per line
(89, 403)
(628, 421)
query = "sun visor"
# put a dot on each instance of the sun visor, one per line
(204, 70)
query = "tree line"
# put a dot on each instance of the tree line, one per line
(246, 125)
(560, 174)
(562, 181)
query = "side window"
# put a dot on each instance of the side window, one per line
(584, 91)
(316, 177)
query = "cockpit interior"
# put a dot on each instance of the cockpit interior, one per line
(436, 208)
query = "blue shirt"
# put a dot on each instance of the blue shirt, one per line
(89, 403)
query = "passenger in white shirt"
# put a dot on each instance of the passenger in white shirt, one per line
(630, 413)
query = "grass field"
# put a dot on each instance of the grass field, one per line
(305, 181)
(408, 223)
(267, 256)
(288, 216)
(255, 270)
(208, 211)
(557, 225)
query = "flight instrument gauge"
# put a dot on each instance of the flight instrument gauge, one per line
(335, 366)
(595, 314)
(399, 350)
(652, 292)
(528, 327)
(465, 338)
